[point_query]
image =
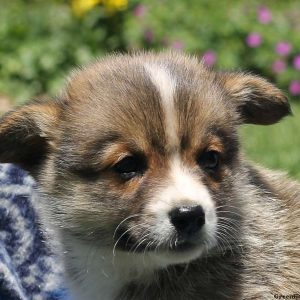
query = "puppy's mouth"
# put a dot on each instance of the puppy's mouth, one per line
(125, 241)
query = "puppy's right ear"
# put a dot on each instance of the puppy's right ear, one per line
(28, 133)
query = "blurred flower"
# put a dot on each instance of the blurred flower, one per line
(115, 5)
(296, 62)
(139, 10)
(178, 45)
(294, 87)
(278, 66)
(283, 48)
(209, 58)
(253, 39)
(264, 16)
(80, 7)
(148, 36)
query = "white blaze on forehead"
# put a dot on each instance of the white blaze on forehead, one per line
(165, 84)
(183, 189)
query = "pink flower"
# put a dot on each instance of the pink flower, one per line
(294, 87)
(296, 62)
(283, 48)
(278, 66)
(178, 45)
(253, 40)
(209, 58)
(264, 16)
(139, 11)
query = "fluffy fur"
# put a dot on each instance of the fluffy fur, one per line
(177, 123)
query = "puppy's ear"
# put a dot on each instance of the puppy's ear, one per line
(257, 100)
(28, 133)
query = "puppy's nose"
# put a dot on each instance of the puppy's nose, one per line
(187, 219)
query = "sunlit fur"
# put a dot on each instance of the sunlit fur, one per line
(169, 109)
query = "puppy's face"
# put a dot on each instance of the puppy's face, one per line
(140, 153)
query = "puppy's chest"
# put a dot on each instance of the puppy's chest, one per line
(97, 274)
(93, 275)
(102, 280)
(166, 289)
(212, 279)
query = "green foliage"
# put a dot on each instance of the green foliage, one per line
(42, 40)
(276, 146)
(223, 27)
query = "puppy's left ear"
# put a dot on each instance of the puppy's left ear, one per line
(257, 100)
(27, 134)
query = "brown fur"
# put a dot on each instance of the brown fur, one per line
(111, 109)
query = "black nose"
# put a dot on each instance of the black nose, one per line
(187, 219)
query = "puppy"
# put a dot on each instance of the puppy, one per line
(142, 181)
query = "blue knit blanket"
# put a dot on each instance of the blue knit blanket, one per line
(28, 267)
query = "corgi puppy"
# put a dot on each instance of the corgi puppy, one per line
(142, 181)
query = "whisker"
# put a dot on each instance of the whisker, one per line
(229, 220)
(228, 226)
(226, 205)
(234, 241)
(145, 250)
(130, 228)
(140, 241)
(220, 238)
(127, 218)
(232, 212)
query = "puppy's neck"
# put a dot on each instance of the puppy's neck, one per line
(102, 272)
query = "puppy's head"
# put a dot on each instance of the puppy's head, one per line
(140, 153)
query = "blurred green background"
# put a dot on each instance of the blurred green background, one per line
(41, 41)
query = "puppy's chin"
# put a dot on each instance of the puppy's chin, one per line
(161, 257)
(165, 250)
(174, 257)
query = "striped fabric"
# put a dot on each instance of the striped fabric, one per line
(28, 268)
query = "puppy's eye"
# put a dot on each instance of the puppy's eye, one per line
(129, 167)
(209, 160)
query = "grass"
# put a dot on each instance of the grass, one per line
(276, 146)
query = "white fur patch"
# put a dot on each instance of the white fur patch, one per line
(103, 273)
(182, 190)
(165, 84)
